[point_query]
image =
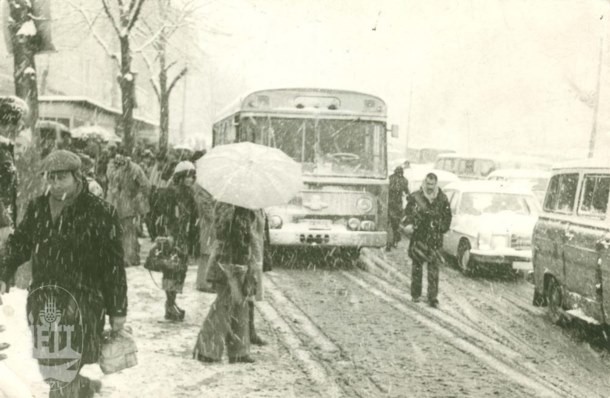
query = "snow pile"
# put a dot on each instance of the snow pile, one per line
(165, 365)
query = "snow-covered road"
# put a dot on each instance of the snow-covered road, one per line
(348, 332)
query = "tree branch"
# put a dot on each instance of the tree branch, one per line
(148, 42)
(155, 87)
(153, 83)
(112, 20)
(136, 13)
(170, 65)
(178, 77)
(95, 35)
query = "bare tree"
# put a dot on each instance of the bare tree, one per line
(123, 16)
(25, 40)
(170, 21)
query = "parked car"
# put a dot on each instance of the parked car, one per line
(570, 243)
(492, 224)
(536, 180)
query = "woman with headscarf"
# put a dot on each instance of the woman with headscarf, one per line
(176, 217)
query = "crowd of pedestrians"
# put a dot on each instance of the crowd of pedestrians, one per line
(85, 207)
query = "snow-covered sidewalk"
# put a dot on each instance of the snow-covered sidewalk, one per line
(165, 365)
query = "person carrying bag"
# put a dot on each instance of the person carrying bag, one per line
(231, 276)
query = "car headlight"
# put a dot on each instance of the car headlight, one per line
(353, 224)
(484, 241)
(364, 204)
(275, 222)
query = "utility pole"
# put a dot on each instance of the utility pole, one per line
(593, 136)
(408, 129)
(182, 124)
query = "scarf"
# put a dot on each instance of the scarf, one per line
(432, 196)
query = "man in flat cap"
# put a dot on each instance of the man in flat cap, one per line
(73, 240)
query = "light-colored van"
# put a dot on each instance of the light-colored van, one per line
(571, 240)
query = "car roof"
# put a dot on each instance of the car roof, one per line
(489, 186)
(419, 173)
(591, 163)
(519, 173)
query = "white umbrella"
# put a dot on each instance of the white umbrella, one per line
(249, 175)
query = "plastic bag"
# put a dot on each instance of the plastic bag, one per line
(118, 351)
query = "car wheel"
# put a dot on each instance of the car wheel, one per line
(463, 257)
(554, 298)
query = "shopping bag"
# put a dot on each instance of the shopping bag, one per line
(118, 351)
(164, 256)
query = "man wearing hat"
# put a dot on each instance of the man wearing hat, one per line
(398, 186)
(73, 240)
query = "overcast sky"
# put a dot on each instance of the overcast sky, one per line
(484, 74)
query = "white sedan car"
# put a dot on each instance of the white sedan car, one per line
(492, 224)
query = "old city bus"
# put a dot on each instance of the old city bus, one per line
(339, 137)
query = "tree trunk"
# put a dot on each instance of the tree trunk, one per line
(127, 84)
(163, 98)
(24, 51)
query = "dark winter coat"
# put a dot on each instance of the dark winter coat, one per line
(175, 215)
(397, 187)
(430, 219)
(80, 252)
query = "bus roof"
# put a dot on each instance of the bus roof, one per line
(307, 100)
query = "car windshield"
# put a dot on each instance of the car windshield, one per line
(477, 203)
(323, 146)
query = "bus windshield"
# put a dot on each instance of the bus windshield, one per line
(327, 147)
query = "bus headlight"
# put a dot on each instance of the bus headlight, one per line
(275, 222)
(353, 224)
(364, 204)
(367, 225)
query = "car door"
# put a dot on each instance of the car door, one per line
(450, 238)
(550, 231)
(583, 273)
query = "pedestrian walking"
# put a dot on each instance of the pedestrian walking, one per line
(234, 280)
(176, 217)
(398, 187)
(243, 178)
(73, 240)
(128, 192)
(257, 250)
(428, 210)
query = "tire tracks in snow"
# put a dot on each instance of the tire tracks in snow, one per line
(466, 332)
(315, 351)
(527, 330)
